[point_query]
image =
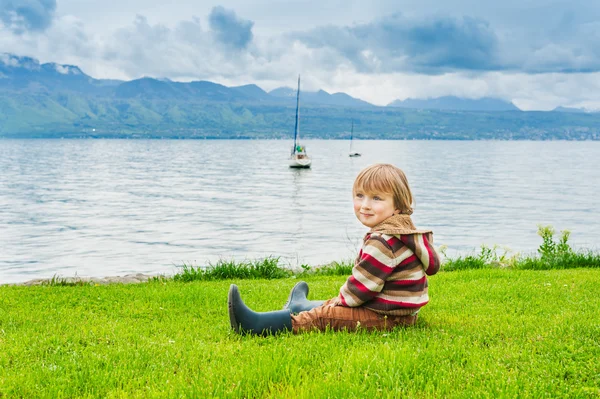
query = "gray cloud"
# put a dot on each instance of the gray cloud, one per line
(397, 43)
(230, 30)
(465, 43)
(27, 15)
(436, 45)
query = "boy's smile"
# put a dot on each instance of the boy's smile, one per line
(373, 208)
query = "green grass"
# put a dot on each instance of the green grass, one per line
(486, 333)
(267, 268)
(489, 258)
(551, 254)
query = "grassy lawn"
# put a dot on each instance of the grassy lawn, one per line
(486, 333)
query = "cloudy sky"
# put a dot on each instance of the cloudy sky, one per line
(537, 53)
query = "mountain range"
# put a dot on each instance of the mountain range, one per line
(27, 74)
(54, 100)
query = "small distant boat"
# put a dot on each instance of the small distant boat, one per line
(299, 158)
(352, 153)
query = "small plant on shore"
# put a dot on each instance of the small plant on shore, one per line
(549, 247)
(558, 254)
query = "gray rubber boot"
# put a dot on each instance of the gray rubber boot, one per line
(297, 300)
(244, 320)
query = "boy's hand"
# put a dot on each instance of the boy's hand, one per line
(335, 302)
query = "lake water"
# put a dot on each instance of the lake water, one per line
(111, 207)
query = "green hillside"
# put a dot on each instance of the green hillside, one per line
(72, 114)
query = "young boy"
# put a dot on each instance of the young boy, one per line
(388, 284)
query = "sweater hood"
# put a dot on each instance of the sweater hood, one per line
(397, 225)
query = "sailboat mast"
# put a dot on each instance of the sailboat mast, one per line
(297, 127)
(351, 134)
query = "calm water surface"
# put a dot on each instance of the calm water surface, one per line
(111, 207)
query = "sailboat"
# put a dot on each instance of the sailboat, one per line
(299, 158)
(352, 153)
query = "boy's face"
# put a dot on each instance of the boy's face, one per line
(373, 208)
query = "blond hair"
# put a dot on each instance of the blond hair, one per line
(388, 179)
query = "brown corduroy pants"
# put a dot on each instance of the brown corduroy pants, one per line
(344, 318)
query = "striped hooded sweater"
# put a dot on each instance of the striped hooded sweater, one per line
(390, 273)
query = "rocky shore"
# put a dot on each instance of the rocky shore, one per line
(126, 279)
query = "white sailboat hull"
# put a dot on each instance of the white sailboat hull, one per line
(296, 162)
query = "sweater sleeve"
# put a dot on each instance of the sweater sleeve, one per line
(422, 247)
(375, 262)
